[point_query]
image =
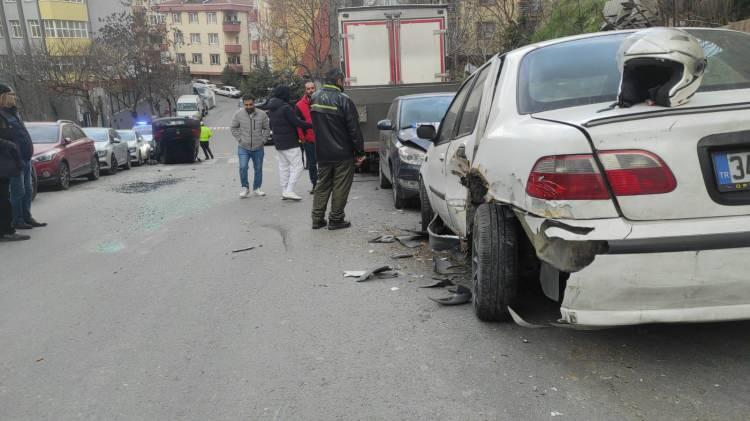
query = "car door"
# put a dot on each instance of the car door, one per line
(433, 169)
(457, 162)
(73, 149)
(387, 137)
(120, 147)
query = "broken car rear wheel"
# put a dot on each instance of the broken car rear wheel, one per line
(494, 262)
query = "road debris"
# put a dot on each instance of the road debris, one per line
(382, 272)
(442, 283)
(394, 289)
(40, 360)
(411, 241)
(244, 249)
(556, 414)
(446, 267)
(402, 256)
(383, 239)
(461, 296)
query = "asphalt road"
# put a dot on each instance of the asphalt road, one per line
(131, 306)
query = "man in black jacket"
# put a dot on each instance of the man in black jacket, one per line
(10, 166)
(21, 189)
(284, 125)
(339, 146)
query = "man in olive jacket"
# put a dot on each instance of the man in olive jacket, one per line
(251, 129)
(339, 146)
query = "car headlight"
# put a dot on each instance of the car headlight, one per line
(411, 155)
(101, 153)
(131, 149)
(49, 156)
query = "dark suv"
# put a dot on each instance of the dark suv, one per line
(62, 152)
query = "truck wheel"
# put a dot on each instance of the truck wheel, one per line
(425, 207)
(384, 183)
(494, 262)
(399, 201)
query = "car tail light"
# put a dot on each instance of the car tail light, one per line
(566, 177)
(577, 177)
(636, 172)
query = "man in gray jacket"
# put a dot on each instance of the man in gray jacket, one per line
(250, 128)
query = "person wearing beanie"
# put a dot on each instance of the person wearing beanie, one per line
(21, 189)
(284, 125)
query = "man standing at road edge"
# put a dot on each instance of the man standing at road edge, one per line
(205, 137)
(21, 189)
(339, 146)
(10, 166)
(308, 136)
(250, 128)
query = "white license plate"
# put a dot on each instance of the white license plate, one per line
(732, 170)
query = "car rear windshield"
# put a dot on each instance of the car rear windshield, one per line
(43, 134)
(187, 106)
(549, 79)
(127, 135)
(423, 110)
(142, 129)
(98, 135)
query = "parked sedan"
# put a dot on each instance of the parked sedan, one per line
(144, 130)
(625, 215)
(138, 149)
(61, 152)
(229, 91)
(111, 149)
(402, 152)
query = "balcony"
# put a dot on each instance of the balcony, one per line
(233, 49)
(232, 26)
(235, 67)
(255, 47)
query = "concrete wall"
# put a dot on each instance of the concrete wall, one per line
(743, 25)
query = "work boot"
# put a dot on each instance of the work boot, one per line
(36, 224)
(337, 225)
(23, 226)
(319, 224)
(13, 237)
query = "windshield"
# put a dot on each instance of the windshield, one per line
(98, 135)
(187, 106)
(142, 130)
(127, 135)
(43, 134)
(423, 110)
(549, 80)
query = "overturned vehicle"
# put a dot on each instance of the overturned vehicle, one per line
(618, 180)
(177, 139)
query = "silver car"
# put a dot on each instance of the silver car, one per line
(110, 148)
(138, 149)
(144, 129)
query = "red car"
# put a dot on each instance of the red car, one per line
(61, 152)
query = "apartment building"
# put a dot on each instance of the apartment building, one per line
(209, 35)
(20, 27)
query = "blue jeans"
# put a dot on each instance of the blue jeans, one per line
(21, 191)
(257, 157)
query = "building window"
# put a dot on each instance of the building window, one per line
(66, 29)
(233, 60)
(180, 57)
(197, 58)
(193, 17)
(215, 59)
(177, 17)
(158, 18)
(35, 28)
(195, 38)
(485, 30)
(211, 17)
(15, 29)
(254, 59)
(213, 39)
(231, 17)
(179, 38)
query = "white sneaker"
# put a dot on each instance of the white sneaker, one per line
(245, 191)
(290, 195)
(259, 192)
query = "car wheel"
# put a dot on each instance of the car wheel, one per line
(384, 183)
(95, 171)
(425, 207)
(399, 202)
(129, 164)
(113, 166)
(139, 160)
(494, 262)
(63, 176)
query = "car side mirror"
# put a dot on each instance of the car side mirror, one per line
(67, 141)
(385, 125)
(115, 140)
(427, 132)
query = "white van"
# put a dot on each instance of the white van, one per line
(190, 106)
(207, 94)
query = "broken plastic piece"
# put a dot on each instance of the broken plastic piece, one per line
(402, 256)
(243, 249)
(441, 284)
(461, 296)
(411, 241)
(383, 239)
(446, 267)
(377, 273)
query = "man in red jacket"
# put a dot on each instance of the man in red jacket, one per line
(308, 136)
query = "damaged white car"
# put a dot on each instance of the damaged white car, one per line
(618, 185)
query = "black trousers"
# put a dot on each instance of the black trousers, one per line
(6, 210)
(334, 182)
(207, 150)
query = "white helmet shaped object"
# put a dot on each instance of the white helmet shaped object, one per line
(664, 65)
